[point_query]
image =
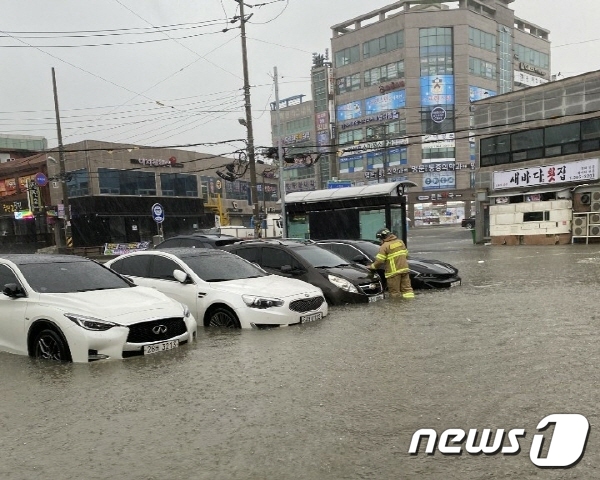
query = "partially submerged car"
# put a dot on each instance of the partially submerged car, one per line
(69, 308)
(340, 280)
(424, 273)
(222, 289)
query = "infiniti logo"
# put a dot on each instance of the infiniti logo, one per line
(159, 329)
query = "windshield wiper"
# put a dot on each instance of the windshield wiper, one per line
(94, 289)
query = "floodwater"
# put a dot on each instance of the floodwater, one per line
(335, 399)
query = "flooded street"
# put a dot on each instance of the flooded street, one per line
(335, 399)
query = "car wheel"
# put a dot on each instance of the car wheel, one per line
(50, 345)
(222, 317)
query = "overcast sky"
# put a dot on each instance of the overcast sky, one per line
(147, 84)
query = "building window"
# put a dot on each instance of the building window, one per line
(481, 68)
(532, 57)
(78, 183)
(351, 136)
(436, 51)
(387, 43)
(178, 185)
(439, 155)
(479, 38)
(348, 84)
(352, 163)
(390, 71)
(126, 182)
(429, 126)
(347, 56)
(237, 190)
(392, 129)
(505, 57)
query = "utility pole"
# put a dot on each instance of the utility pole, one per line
(63, 174)
(280, 157)
(251, 156)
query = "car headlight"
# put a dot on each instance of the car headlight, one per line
(91, 323)
(261, 302)
(342, 283)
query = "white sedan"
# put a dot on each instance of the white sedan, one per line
(222, 289)
(68, 308)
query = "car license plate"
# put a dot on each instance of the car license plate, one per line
(160, 347)
(374, 298)
(311, 318)
(455, 284)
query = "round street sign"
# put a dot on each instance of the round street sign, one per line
(158, 213)
(438, 114)
(41, 180)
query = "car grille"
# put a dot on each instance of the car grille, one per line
(371, 288)
(156, 330)
(306, 304)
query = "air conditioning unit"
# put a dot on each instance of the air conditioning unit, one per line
(580, 221)
(585, 198)
(595, 207)
(595, 196)
(595, 218)
(594, 231)
(579, 231)
(234, 204)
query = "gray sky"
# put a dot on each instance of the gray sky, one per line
(151, 86)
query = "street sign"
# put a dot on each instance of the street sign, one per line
(41, 180)
(158, 213)
(338, 183)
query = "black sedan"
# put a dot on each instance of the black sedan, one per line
(468, 223)
(424, 274)
(342, 281)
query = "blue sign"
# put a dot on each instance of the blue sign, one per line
(389, 101)
(478, 93)
(338, 183)
(158, 213)
(348, 111)
(41, 180)
(437, 90)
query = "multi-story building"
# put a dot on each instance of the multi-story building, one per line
(13, 147)
(538, 181)
(405, 78)
(298, 135)
(112, 187)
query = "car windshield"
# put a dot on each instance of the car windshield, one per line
(369, 248)
(69, 277)
(221, 268)
(319, 257)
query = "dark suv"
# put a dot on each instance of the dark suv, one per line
(197, 240)
(340, 281)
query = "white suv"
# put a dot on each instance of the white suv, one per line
(222, 289)
(69, 308)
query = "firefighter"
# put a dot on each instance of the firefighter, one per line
(392, 254)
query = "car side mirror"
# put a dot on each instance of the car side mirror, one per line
(181, 276)
(286, 269)
(360, 259)
(13, 290)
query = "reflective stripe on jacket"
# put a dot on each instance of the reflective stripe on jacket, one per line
(392, 254)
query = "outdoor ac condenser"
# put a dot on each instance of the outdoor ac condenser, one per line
(580, 222)
(579, 231)
(595, 218)
(595, 196)
(594, 230)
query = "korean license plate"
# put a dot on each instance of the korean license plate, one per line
(160, 347)
(455, 284)
(375, 298)
(311, 318)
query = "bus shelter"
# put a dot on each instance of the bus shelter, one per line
(348, 213)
